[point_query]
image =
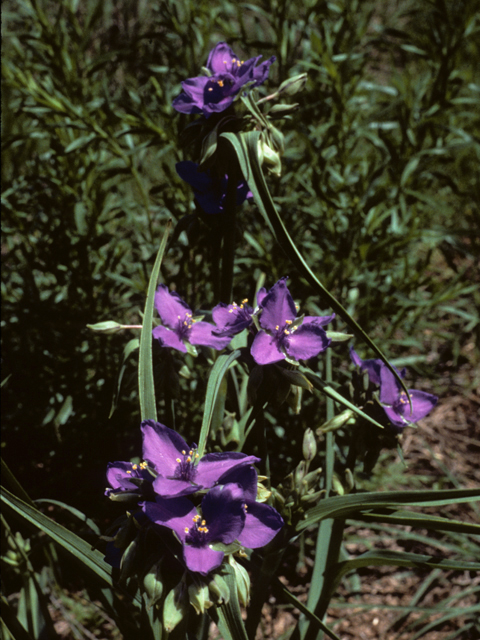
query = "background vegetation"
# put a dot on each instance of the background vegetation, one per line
(380, 187)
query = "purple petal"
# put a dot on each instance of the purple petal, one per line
(372, 367)
(214, 465)
(162, 446)
(320, 321)
(184, 104)
(223, 511)
(260, 73)
(175, 514)
(198, 180)
(261, 293)
(220, 58)
(202, 559)
(265, 349)
(262, 524)
(202, 333)
(278, 306)
(173, 487)
(168, 338)
(306, 342)
(246, 477)
(169, 306)
(390, 388)
(422, 403)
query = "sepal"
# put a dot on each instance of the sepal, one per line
(153, 584)
(242, 581)
(175, 606)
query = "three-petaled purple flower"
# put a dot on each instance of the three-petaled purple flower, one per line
(170, 467)
(180, 325)
(282, 334)
(393, 398)
(232, 318)
(216, 93)
(181, 471)
(224, 518)
(210, 191)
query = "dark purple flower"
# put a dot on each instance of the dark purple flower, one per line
(180, 326)
(282, 334)
(262, 522)
(209, 191)
(214, 94)
(395, 402)
(180, 469)
(232, 318)
(222, 520)
(373, 367)
(128, 477)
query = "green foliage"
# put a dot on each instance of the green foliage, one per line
(379, 193)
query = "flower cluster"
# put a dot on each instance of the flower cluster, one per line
(281, 335)
(165, 482)
(227, 76)
(393, 399)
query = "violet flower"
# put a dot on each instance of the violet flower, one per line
(128, 478)
(373, 367)
(395, 402)
(180, 326)
(232, 318)
(282, 335)
(181, 471)
(393, 398)
(216, 93)
(209, 190)
(222, 520)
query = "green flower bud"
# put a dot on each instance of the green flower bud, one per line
(109, 326)
(153, 585)
(242, 580)
(293, 85)
(198, 596)
(309, 445)
(218, 589)
(337, 422)
(175, 607)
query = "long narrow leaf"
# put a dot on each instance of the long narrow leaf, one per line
(424, 521)
(214, 380)
(146, 388)
(229, 615)
(347, 506)
(75, 545)
(246, 148)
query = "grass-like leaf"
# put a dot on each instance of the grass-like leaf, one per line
(146, 388)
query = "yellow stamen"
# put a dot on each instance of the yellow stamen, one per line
(186, 529)
(189, 459)
(245, 301)
(129, 472)
(210, 89)
(288, 321)
(178, 460)
(134, 467)
(277, 328)
(220, 83)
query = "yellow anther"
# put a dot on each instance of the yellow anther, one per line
(190, 453)
(245, 506)
(220, 83)
(197, 455)
(288, 321)
(129, 472)
(210, 89)
(245, 301)
(186, 529)
(184, 452)
(178, 460)
(204, 522)
(230, 311)
(189, 459)
(178, 317)
(286, 332)
(196, 518)
(134, 467)
(277, 328)
(185, 323)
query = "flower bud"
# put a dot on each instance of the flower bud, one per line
(198, 596)
(336, 422)
(293, 85)
(175, 607)
(153, 585)
(242, 581)
(270, 158)
(282, 110)
(107, 327)
(309, 445)
(219, 591)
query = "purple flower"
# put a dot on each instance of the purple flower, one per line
(373, 367)
(262, 522)
(127, 477)
(282, 334)
(232, 318)
(180, 469)
(393, 398)
(395, 402)
(214, 94)
(209, 190)
(222, 520)
(180, 326)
